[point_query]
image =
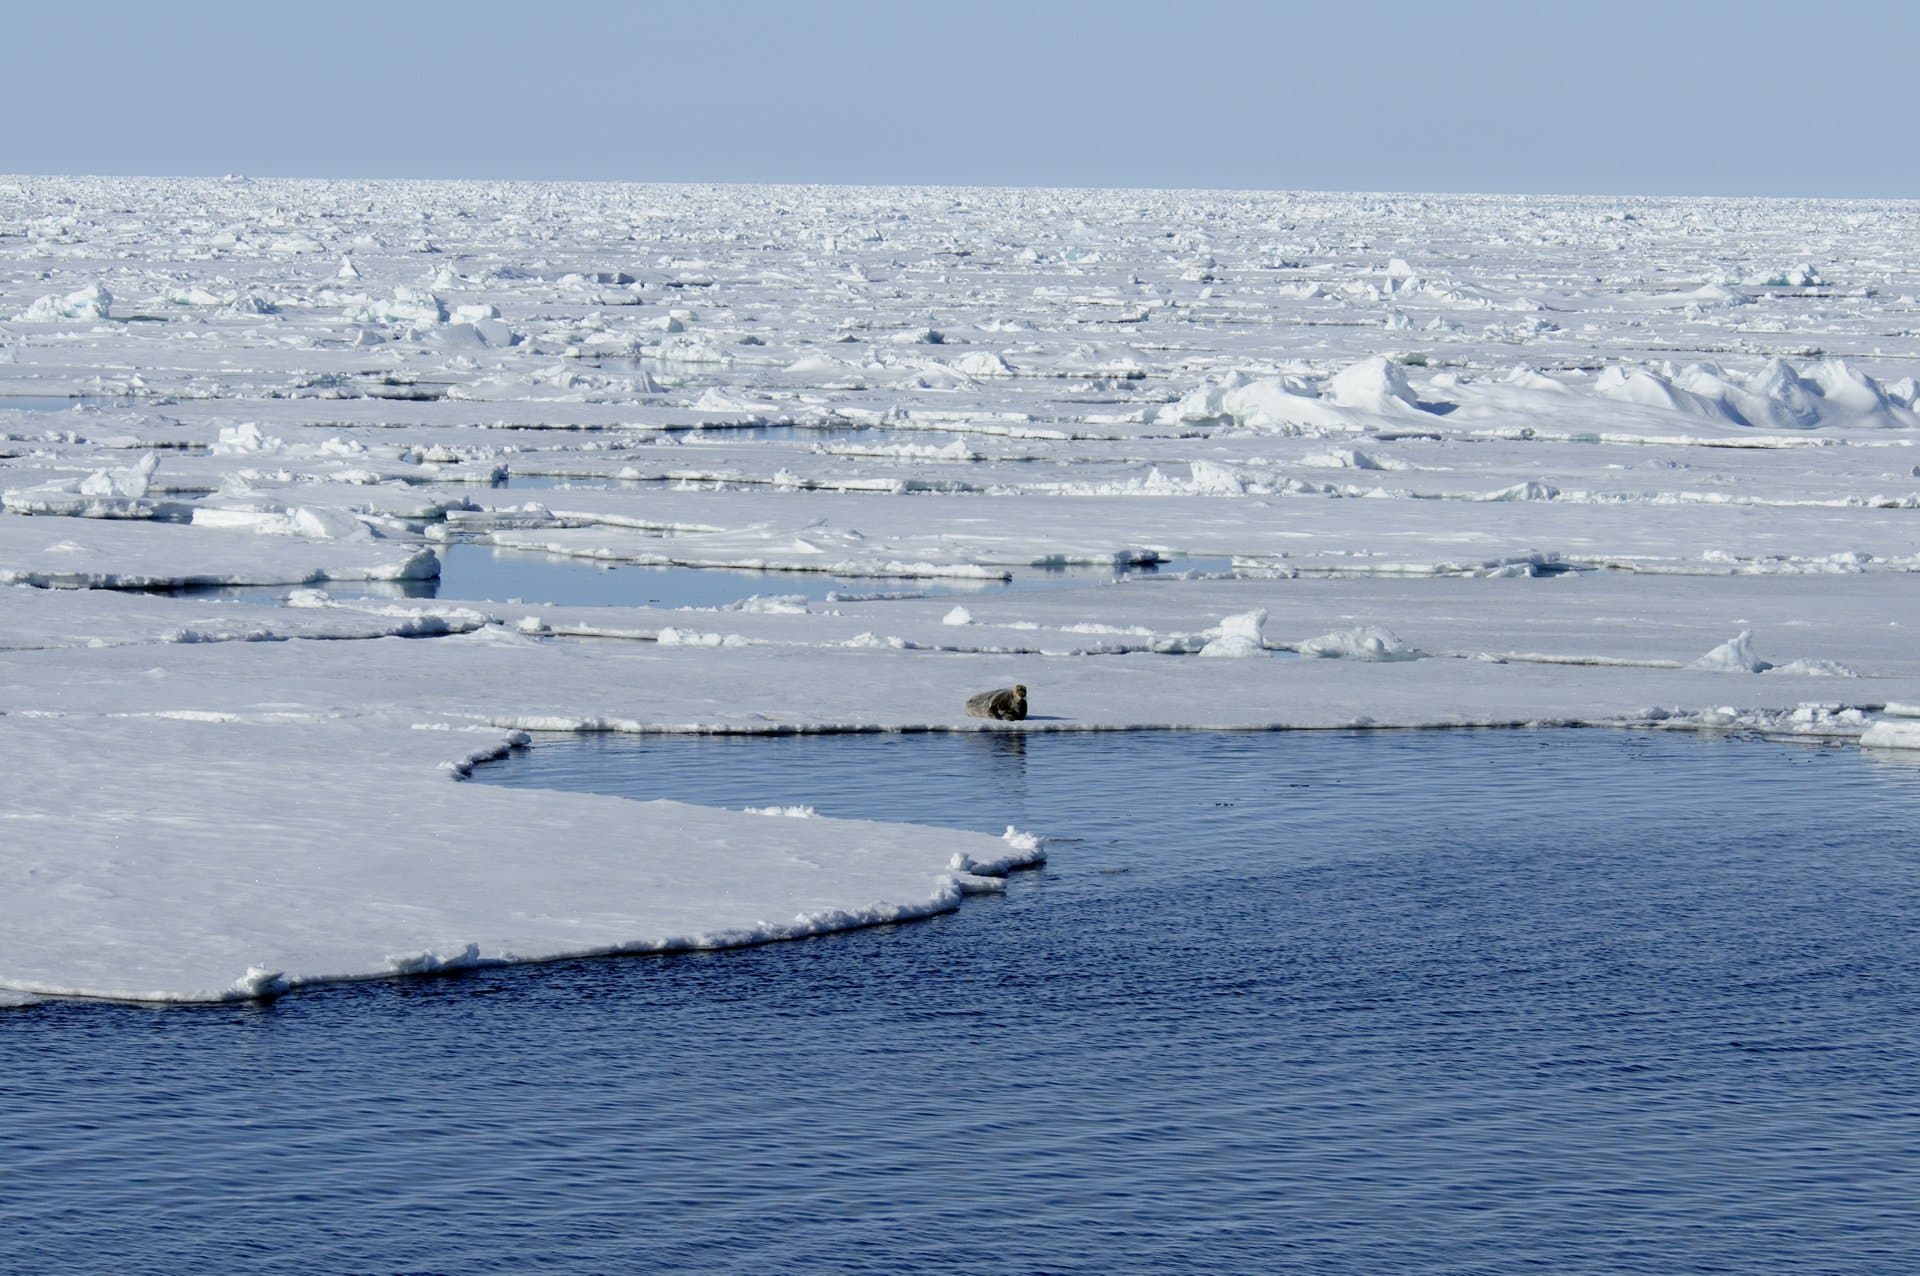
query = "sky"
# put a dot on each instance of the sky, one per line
(1553, 96)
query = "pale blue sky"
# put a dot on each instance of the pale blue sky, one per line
(1475, 95)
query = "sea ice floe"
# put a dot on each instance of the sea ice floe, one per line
(1734, 656)
(1892, 733)
(227, 896)
(1364, 642)
(91, 302)
(1439, 419)
(1238, 636)
(408, 306)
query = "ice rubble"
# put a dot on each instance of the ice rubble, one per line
(104, 493)
(410, 307)
(1734, 656)
(1365, 642)
(1484, 485)
(1375, 393)
(1238, 636)
(1899, 729)
(91, 302)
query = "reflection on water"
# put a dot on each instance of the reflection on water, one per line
(480, 572)
(277, 595)
(498, 575)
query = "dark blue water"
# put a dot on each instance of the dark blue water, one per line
(1393, 1002)
(276, 595)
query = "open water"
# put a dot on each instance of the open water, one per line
(479, 573)
(1464, 1002)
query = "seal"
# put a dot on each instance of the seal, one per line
(1008, 704)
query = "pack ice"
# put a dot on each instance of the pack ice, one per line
(295, 476)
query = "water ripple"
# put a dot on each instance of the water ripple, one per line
(1459, 1002)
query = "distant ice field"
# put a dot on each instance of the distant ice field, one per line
(338, 486)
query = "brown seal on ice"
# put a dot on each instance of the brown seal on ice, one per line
(1009, 704)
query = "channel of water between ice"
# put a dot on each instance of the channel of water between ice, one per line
(479, 573)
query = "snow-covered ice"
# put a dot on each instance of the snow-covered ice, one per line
(306, 849)
(1473, 460)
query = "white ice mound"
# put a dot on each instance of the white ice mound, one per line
(1367, 642)
(1238, 637)
(268, 518)
(91, 302)
(131, 483)
(1800, 276)
(979, 874)
(408, 306)
(1531, 490)
(958, 616)
(1204, 478)
(1813, 669)
(110, 493)
(1290, 404)
(1373, 385)
(1649, 389)
(230, 301)
(1734, 656)
(1855, 396)
(432, 960)
(258, 982)
(670, 636)
(1209, 478)
(63, 498)
(1829, 393)
(1776, 396)
(1520, 376)
(981, 363)
(1892, 733)
(1019, 850)
(1264, 403)
(1351, 458)
(1784, 400)
(242, 439)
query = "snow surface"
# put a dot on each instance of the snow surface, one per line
(305, 850)
(1388, 461)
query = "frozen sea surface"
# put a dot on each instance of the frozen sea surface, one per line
(1335, 1002)
(1474, 461)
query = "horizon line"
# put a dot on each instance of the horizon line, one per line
(791, 184)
